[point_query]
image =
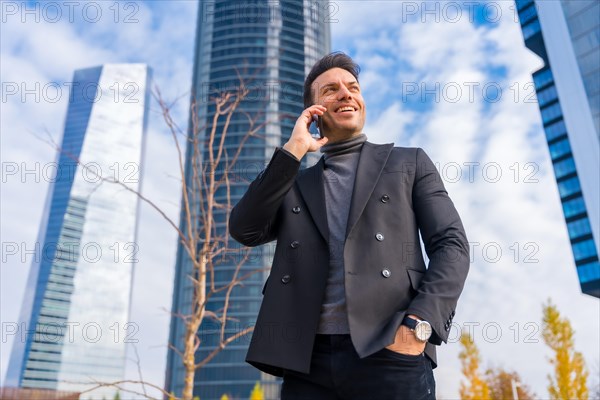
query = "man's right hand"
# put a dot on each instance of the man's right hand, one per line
(301, 141)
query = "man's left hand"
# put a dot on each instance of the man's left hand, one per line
(406, 342)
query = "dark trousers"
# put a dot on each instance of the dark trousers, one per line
(337, 373)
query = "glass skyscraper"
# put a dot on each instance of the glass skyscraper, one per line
(74, 317)
(272, 46)
(566, 35)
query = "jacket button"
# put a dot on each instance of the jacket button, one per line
(385, 198)
(386, 273)
(296, 210)
(295, 244)
(286, 278)
(379, 236)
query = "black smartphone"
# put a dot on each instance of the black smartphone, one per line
(316, 125)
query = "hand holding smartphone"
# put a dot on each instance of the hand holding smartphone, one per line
(304, 137)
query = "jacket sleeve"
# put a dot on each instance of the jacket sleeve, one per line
(253, 220)
(446, 246)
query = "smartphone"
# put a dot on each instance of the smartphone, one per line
(316, 125)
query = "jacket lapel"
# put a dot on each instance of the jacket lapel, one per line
(310, 184)
(373, 158)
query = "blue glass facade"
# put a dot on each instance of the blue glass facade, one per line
(78, 288)
(583, 21)
(271, 45)
(570, 118)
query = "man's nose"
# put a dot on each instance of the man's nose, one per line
(344, 93)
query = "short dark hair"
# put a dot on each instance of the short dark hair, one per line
(336, 59)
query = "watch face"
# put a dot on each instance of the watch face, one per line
(423, 331)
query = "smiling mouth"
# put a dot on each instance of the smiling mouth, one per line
(345, 109)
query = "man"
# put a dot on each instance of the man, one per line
(350, 311)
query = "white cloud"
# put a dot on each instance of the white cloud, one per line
(391, 125)
(441, 47)
(54, 48)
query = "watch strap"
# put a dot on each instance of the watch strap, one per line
(410, 322)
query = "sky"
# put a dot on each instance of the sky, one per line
(453, 78)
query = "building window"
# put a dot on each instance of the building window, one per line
(571, 8)
(585, 249)
(569, 187)
(594, 101)
(531, 29)
(527, 14)
(589, 272)
(547, 95)
(574, 207)
(579, 228)
(564, 168)
(587, 42)
(579, 23)
(552, 112)
(542, 78)
(555, 130)
(589, 62)
(559, 149)
(521, 4)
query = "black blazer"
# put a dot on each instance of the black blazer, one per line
(397, 193)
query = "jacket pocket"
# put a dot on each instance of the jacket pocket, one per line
(415, 278)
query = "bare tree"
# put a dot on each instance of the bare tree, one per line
(201, 240)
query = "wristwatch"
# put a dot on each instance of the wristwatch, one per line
(422, 329)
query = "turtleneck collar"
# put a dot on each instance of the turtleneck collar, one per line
(351, 145)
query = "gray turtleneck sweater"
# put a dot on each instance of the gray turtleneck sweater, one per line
(341, 159)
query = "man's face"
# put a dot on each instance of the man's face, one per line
(338, 90)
